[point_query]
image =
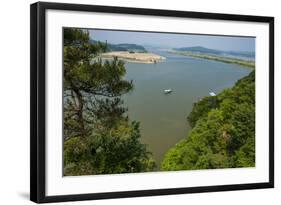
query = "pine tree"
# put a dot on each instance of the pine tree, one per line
(98, 137)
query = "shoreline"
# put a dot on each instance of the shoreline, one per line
(134, 57)
(245, 63)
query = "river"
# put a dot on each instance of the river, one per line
(163, 117)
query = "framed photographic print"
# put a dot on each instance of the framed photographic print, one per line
(129, 102)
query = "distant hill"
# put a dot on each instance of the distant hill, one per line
(126, 47)
(123, 47)
(203, 50)
(199, 49)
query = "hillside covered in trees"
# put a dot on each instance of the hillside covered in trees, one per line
(223, 131)
(98, 136)
(121, 46)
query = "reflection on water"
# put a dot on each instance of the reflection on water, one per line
(162, 116)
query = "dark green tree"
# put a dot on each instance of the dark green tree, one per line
(201, 109)
(98, 136)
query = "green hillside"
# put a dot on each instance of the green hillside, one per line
(122, 47)
(223, 131)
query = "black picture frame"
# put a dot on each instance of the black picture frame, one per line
(38, 101)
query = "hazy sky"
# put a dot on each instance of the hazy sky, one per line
(175, 40)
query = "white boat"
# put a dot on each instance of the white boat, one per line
(212, 94)
(167, 91)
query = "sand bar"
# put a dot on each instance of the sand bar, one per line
(134, 56)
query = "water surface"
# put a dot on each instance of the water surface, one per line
(162, 117)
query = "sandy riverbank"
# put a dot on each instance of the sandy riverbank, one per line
(134, 57)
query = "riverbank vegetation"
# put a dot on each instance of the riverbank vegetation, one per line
(98, 136)
(223, 131)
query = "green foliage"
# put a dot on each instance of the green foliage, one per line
(98, 137)
(245, 156)
(116, 151)
(201, 109)
(223, 133)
